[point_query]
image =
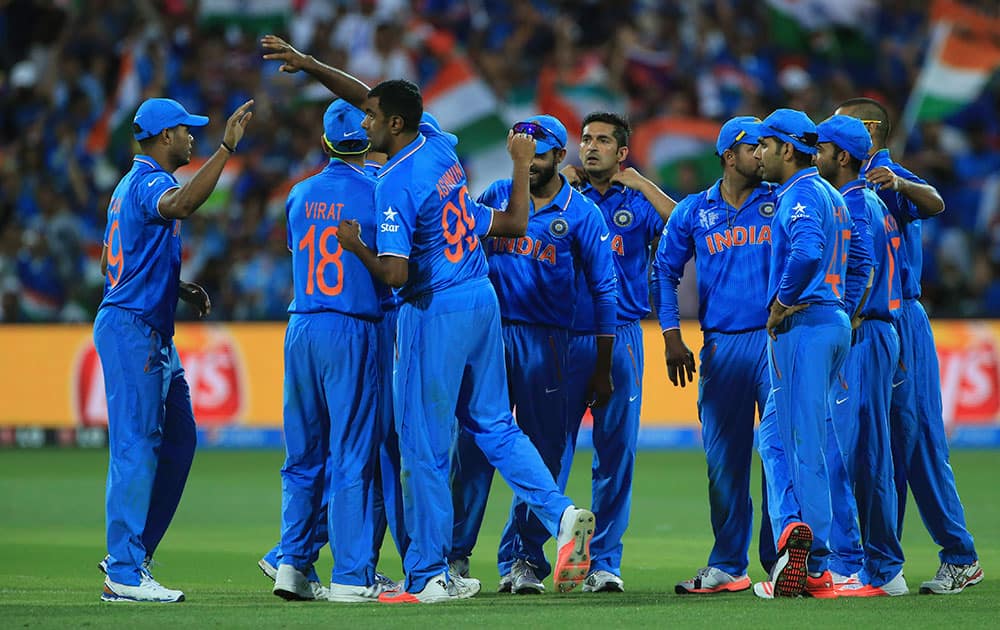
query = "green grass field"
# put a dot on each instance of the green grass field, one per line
(52, 535)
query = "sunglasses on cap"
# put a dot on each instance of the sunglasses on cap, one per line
(535, 130)
(808, 138)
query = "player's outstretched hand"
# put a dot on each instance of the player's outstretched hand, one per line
(195, 296)
(349, 235)
(291, 59)
(680, 359)
(575, 175)
(883, 177)
(237, 124)
(521, 147)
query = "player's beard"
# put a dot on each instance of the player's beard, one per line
(752, 172)
(541, 176)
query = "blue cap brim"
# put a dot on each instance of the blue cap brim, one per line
(544, 146)
(194, 121)
(764, 131)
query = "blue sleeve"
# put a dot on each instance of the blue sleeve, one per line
(593, 241)
(674, 251)
(288, 222)
(903, 203)
(860, 258)
(149, 190)
(493, 199)
(806, 241)
(397, 214)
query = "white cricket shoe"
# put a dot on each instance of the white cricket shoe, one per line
(523, 580)
(710, 580)
(438, 589)
(347, 593)
(148, 590)
(576, 529)
(387, 584)
(506, 581)
(459, 567)
(893, 588)
(952, 579)
(841, 580)
(293, 585)
(603, 582)
(269, 570)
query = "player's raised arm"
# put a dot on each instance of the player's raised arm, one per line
(514, 221)
(180, 203)
(346, 86)
(661, 201)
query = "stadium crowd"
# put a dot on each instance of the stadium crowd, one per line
(63, 90)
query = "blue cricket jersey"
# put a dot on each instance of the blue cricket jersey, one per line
(860, 258)
(810, 239)
(427, 215)
(732, 251)
(634, 225)
(144, 248)
(910, 257)
(535, 275)
(876, 225)
(327, 278)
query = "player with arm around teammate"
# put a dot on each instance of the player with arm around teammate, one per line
(634, 209)
(861, 404)
(534, 278)
(727, 229)
(450, 355)
(151, 427)
(919, 444)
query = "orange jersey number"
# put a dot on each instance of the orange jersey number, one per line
(458, 226)
(317, 271)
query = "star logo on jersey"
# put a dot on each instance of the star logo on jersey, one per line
(559, 227)
(623, 218)
(390, 214)
(798, 212)
(766, 210)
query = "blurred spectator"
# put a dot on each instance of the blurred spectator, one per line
(72, 73)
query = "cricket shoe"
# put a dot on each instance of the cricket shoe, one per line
(841, 580)
(820, 586)
(789, 574)
(710, 580)
(505, 584)
(603, 582)
(894, 587)
(271, 572)
(952, 579)
(102, 566)
(459, 567)
(148, 590)
(349, 594)
(576, 529)
(438, 589)
(388, 584)
(293, 585)
(523, 580)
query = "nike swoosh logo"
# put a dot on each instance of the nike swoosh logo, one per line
(150, 184)
(353, 133)
(633, 398)
(604, 237)
(895, 385)
(775, 389)
(841, 401)
(551, 391)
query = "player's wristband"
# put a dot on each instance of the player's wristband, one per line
(228, 148)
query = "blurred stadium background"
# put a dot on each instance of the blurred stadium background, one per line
(73, 72)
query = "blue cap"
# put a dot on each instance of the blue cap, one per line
(848, 133)
(157, 114)
(790, 125)
(554, 136)
(342, 125)
(742, 129)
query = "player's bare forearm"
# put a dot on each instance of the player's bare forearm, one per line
(635, 180)
(104, 260)
(180, 203)
(924, 196)
(346, 86)
(389, 270)
(680, 359)
(196, 296)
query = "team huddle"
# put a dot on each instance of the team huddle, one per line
(435, 337)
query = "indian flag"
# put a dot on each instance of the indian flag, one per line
(964, 52)
(678, 152)
(465, 105)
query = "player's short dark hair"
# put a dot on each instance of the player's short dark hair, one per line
(801, 159)
(855, 164)
(870, 109)
(399, 97)
(622, 129)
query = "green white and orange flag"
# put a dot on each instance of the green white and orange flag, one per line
(963, 54)
(677, 152)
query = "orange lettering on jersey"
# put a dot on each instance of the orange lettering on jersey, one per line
(723, 240)
(738, 237)
(548, 255)
(449, 180)
(711, 247)
(890, 223)
(525, 245)
(840, 213)
(765, 235)
(618, 245)
(846, 234)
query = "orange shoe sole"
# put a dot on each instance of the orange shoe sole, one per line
(573, 559)
(793, 548)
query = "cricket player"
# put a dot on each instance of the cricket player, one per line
(861, 402)
(727, 229)
(151, 428)
(534, 278)
(635, 210)
(810, 335)
(920, 447)
(449, 362)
